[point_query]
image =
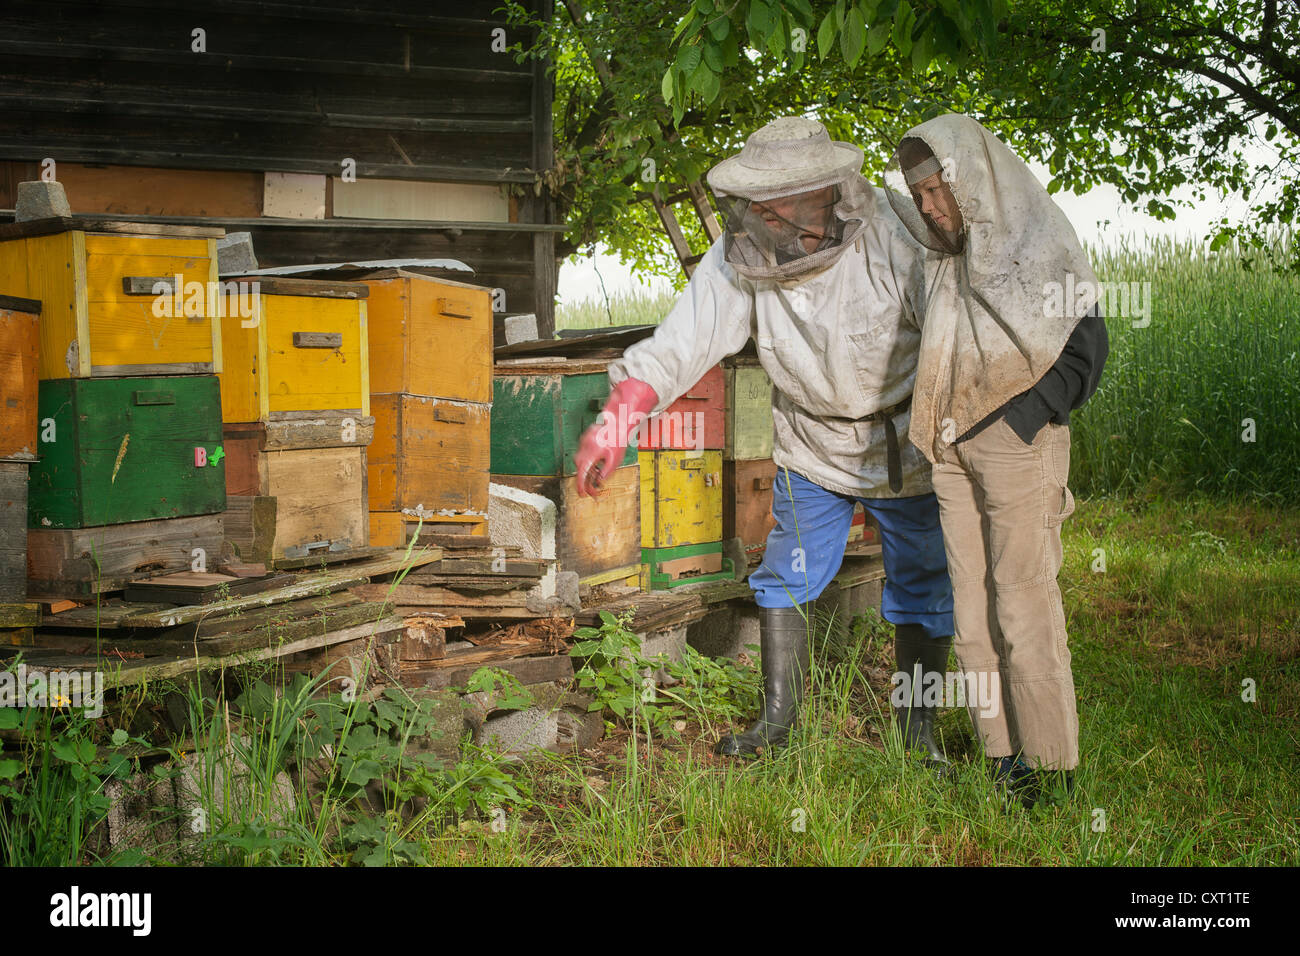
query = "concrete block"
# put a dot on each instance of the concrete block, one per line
(521, 328)
(578, 731)
(141, 812)
(518, 732)
(671, 643)
(725, 631)
(521, 519)
(235, 254)
(40, 200)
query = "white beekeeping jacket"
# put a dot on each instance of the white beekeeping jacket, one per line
(839, 346)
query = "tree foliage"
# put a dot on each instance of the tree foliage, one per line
(1146, 96)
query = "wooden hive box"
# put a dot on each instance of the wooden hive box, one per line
(127, 449)
(681, 498)
(599, 538)
(666, 568)
(13, 531)
(863, 531)
(80, 562)
(19, 334)
(110, 301)
(429, 453)
(747, 501)
(304, 348)
(693, 422)
(539, 415)
(297, 485)
(430, 337)
(749, 430)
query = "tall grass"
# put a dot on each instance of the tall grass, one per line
(1222, 348)
(636, 307)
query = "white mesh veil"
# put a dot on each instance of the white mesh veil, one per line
(793, 200)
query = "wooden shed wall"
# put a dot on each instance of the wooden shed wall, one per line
(408, 89)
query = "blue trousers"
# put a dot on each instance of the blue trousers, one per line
(805, 549)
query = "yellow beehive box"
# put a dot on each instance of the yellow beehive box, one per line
(432, 337)
(118, 298)
(294, 345)
(681, 497)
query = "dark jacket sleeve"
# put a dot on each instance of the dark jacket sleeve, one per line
(1066, 385)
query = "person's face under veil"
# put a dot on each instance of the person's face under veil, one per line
(787, 228)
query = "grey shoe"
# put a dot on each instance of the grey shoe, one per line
(783, 644)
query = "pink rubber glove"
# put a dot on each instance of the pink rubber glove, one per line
(605, 443)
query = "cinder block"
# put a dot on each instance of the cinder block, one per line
(235, 254)
(522, 519)
(726, 631)
(40, 200)
(521, 328)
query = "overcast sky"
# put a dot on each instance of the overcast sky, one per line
(1098, 217)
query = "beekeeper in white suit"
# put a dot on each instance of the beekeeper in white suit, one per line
(1012, 344)
(816, 269)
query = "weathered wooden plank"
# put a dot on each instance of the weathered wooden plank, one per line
(56, 224)
(527, 670)
(519, 567)
(464, 653)
(423, 640)
(80, 562)
(104, 616)
(13, 531)
(193, 587)
(20, 615)
(417, 595)
(307, 585)
(468, 613)
(151, 670)
(328, 557)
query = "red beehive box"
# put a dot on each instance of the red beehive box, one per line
(693, 422)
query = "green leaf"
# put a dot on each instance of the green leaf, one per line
(877, 37)
(854, 37)
(666, 88)
(730, 50)
(713, 57)
(776, 41)
(922, 51)
(904, 19)
(684, 23)
(826, 36)
(120, 737)
(804, 9)
(709, 86)
(8, 718)
(688, 58)
(758, 22)
(719, 27)
(10, 769)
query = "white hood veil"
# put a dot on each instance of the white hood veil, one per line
(790, 156)
(1000, 311)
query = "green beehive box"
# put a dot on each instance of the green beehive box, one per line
(538, 420)
(114, 450)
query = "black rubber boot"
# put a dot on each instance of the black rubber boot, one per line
(920, 657)
(783, 644)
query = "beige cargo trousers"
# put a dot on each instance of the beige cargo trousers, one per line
(1001, 505)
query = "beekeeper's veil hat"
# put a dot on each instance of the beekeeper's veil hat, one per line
(793, 199)
(1000, 310)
